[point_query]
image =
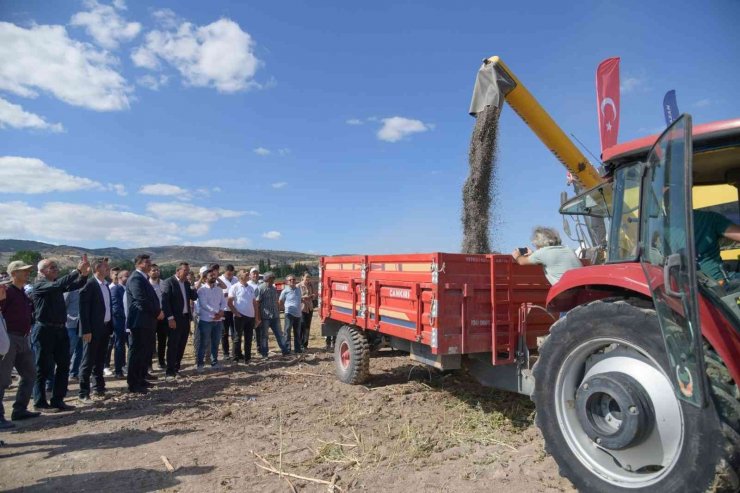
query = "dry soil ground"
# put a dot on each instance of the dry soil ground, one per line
(407, 430)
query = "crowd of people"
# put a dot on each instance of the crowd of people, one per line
(63, 328)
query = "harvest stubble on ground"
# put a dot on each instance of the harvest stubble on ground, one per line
(406, 430)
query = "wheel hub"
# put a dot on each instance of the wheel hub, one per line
(344, 355)
(614, 410)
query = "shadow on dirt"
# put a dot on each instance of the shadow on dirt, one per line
(126, 480)
(126, 438)
(196, 393)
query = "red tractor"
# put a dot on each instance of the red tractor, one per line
(636, 387)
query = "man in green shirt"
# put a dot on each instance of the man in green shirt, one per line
(709, 228)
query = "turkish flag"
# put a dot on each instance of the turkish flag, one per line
(607, 100)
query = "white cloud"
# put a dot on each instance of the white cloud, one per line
(218, 55)
(190, 212)
(166, 18)
(223, 242)
(703, 103)
(44, 58)
(262, 151)
(31, 175)
(354, 121)
(197, 229)
(398, 127)
(72, 223)
(632, 84)
(119, 188)
(13, 115)
(283, 152)
(152, 82)
(105, 24)
(145, 58)
(272, 235)
(162, 189)
(279, 184)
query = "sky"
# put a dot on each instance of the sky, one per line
(321, 127)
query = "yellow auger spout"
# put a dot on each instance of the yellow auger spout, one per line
(535, 116)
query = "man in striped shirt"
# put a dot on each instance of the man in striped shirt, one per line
(267, 297)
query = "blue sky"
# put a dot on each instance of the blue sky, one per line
(273, 124)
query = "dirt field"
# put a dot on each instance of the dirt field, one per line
(407, 430)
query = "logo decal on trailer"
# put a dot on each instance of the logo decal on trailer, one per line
(340, 287)
(400, 293)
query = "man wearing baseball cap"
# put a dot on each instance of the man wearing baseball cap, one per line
(17, 310)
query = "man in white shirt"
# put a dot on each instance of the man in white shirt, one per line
(228, 279)
(96, 327)
(254, 281)
(244, 306)
(163, 329)
(211, 304)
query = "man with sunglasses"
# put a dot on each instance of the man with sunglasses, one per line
(49, 334)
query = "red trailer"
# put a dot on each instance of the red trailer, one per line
(438, 307)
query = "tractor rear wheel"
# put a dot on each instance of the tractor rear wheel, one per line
(351, 355)
(610, 417)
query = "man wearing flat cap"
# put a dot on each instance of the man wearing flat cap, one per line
(17, 310)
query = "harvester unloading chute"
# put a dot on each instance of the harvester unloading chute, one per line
(495, 82)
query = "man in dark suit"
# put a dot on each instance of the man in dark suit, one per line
(143, 312)
(176, 296)
(96, 327)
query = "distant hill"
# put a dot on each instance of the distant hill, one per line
(163, 255)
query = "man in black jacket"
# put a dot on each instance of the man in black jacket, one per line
(96, 326)
(143, 312)
(49, 335)
(176, 297)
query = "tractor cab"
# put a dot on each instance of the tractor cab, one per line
(616, 201)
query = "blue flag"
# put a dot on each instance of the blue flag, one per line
(670, 107)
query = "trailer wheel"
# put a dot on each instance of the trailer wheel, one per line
(610, 417)
(351, 355)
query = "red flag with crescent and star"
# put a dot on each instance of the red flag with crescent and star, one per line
(607, 99)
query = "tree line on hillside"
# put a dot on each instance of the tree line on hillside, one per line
(31, 257)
